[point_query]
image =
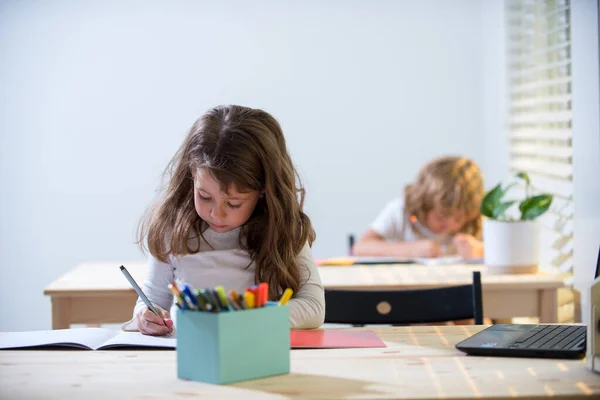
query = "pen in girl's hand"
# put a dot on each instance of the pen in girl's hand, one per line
(138, 290)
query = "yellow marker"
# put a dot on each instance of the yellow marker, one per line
(287, 295)
(249, 299)
(336, 261)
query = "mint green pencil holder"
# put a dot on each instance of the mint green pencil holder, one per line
(233, 346)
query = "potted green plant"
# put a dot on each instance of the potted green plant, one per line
(512, 242)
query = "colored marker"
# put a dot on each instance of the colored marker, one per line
(189, 297)
(235, 299)
(208, 294)
(263, 294)
(249, 299)
(243, 303)
(203, 303)
(176, 293)
(287, 295)
(220, 291)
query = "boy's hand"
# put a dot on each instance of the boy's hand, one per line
(467, 246)
(426, 248)
(150, 324)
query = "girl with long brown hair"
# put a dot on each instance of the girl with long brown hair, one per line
(231, 215)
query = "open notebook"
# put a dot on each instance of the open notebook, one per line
(84, 338)
(107, 339)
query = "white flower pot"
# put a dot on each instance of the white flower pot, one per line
(511, 247)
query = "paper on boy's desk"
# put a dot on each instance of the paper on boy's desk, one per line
(84, 338)
(445, 260)
(348, 261)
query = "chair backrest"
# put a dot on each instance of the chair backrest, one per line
(442, 304)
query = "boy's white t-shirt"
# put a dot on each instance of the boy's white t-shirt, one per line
(393, 224)
(221, 261)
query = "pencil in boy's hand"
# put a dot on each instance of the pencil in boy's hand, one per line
(287, 295)
(415, 221)
(138, 290)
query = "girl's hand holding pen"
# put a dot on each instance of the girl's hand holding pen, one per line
(151, 324)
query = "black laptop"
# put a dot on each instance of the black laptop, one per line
(516, 340)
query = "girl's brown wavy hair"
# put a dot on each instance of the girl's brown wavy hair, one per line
(246, 147)
(452, 185)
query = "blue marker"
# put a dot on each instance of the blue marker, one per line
(189, 297)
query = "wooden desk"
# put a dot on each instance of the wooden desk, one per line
(504, 296)
(95, 293)
(419, 362)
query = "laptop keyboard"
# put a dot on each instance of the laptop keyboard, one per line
(551, 337)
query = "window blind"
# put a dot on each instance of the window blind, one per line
(539, 78)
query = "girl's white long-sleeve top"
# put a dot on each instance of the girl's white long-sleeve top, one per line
(221, 261)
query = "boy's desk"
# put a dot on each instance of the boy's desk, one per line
(419, 362)
(95, 293)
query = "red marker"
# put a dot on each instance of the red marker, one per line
(263, 294)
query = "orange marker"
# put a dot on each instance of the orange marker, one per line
(235, 298)
(178, 295)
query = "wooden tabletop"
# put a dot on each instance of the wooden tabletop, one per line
(105, 278)
(419, 362)
(93, 278)
(420, 276)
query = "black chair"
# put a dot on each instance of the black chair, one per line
(398, 307)
(350, 244)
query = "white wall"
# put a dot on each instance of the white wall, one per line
(96, 96)
(586, 144)
(495, 89)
